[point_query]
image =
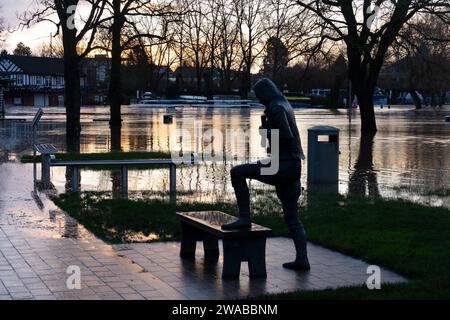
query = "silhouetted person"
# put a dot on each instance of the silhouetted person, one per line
(278, 115)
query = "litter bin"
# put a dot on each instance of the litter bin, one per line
(323, 155)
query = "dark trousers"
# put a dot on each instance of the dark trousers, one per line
(287, 185)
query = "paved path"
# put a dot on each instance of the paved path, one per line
(38, 244)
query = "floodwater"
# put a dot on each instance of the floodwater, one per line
(408, 158)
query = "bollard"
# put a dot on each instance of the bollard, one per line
(323, 158)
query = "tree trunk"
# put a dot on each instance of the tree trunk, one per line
(199, 79)
(115, 83)
(72, 92)
(365, 101)
(441, 99)
(246, 82)
(416, 99)
(433, 99)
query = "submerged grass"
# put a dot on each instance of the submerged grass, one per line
(106, 156)
(101, 156)
(411, 239)
(113, 219)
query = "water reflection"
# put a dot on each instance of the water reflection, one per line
(115, 179)
(407, 158)
(116, 139)
(363, 180)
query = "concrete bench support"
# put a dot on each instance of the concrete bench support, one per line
(124, 180)
(251, 250)
(173, 183)
(238, 245)
(75, 182)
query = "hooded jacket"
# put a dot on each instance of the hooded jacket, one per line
(280, 115)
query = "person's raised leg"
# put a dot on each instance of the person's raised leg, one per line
(239, 174)
(289, 195)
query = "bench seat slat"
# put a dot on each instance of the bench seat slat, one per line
(211, 222)
(45, 148)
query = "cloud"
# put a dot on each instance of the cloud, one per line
(32, 37)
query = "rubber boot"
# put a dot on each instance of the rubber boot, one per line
(301, 262)
(241, 223)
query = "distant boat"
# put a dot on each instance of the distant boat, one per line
(194, 98)
(150, 100)
(299, 102)
(380, 99)
(183, 102)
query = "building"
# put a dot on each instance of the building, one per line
(95, 79)
(188, 76)
(39, 81)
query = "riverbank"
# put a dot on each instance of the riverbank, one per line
(405, 237)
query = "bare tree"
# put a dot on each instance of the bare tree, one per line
(228, 52)
(22, 50)
(52, 49)
(367, 28)
(127, 28)
(290, 27)
(62, 13)
(196, 51)
(152, 61)
(249, 16)
(423, 52)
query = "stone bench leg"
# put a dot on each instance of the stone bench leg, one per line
(211, 248)
(257, 258)
(189, 237)
(251, 250)
(232, 257)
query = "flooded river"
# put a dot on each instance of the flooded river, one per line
(409, 157)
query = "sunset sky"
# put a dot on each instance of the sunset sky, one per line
(33, 37)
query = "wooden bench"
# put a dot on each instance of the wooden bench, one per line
(238, 245)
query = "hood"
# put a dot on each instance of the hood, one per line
(266, 91)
